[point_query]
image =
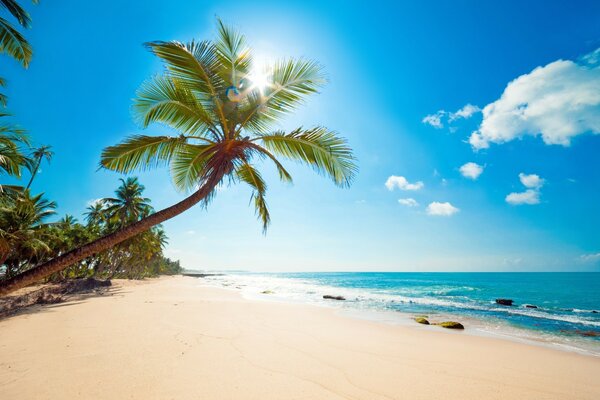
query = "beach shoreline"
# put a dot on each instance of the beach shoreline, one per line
(175, 337)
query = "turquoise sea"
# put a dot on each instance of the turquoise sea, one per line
(567, 313)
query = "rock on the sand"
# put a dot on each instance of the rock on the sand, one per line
(330, 297)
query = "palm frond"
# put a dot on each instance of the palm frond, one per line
(233, 54)
(189, 166)
(14, 44)
(161, 99)
(284, 175)
(291, 81)
(194, 64)
(140, 152)
(17, 11)
(248, 174)
(318, 147)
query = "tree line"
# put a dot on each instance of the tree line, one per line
(29, 232)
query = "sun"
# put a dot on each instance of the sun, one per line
(259, 76)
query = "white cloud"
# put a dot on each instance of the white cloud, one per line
(402, 183)
(408, 202)
(590, 258)
(529, 196)
(532, 181)
(94, 202)
(471, 170)
(558, 101)
(435, 120)
(441, 209)
(466, 112)
(191, 232)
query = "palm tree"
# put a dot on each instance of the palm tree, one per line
(23, 235)
(96, 213)
(12, 159)
(36, 157)
(12, 42)
(226, 122)
(128, 206)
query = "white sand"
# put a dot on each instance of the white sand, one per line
(171, 339)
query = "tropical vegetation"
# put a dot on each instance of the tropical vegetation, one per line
(225, 113)
(27, 237)
(12, 42)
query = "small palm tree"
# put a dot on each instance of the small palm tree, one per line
(12, 42)
(23, 235)
(129, 205)
(36, 157)
(225, 113)
(12, 158)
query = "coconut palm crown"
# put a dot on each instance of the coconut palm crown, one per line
(210, 93)
(225, 112)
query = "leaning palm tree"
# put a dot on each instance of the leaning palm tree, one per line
(37, 156)
(225, 113)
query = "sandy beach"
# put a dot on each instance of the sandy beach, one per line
(169, 338)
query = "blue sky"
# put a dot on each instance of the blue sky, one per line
(390, 65)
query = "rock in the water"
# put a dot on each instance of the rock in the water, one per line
(530, 306)
(330, 297)
(451, 325)
(581, 332)
(594, 312)
(504, 302)
(422, 320)
(267, 292)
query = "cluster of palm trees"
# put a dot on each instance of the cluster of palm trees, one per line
(28, 237)
(226, 116)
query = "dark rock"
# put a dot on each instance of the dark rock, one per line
(594, 312)
(422, 320)
(582, 333)
(530, 306)
(504, 302)
(327, 296)
(199, 274)
(451, 325)
(267, 292)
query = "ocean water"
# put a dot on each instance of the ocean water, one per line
(567, 313)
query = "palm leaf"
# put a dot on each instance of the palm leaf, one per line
(189, 166)
(14, 44)
(318, 147)
(233, 54)
(17, 11)
(292, 80)
(194, 64)
(283, 174)
(140, 152)
(161, 99)
(248, 174)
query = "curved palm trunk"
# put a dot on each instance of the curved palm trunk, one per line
(35, 170)
(59, 263)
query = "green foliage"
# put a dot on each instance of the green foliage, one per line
(27, 238)
(221, 137)
(12, 42)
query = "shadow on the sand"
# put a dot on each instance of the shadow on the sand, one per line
(49, 297)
